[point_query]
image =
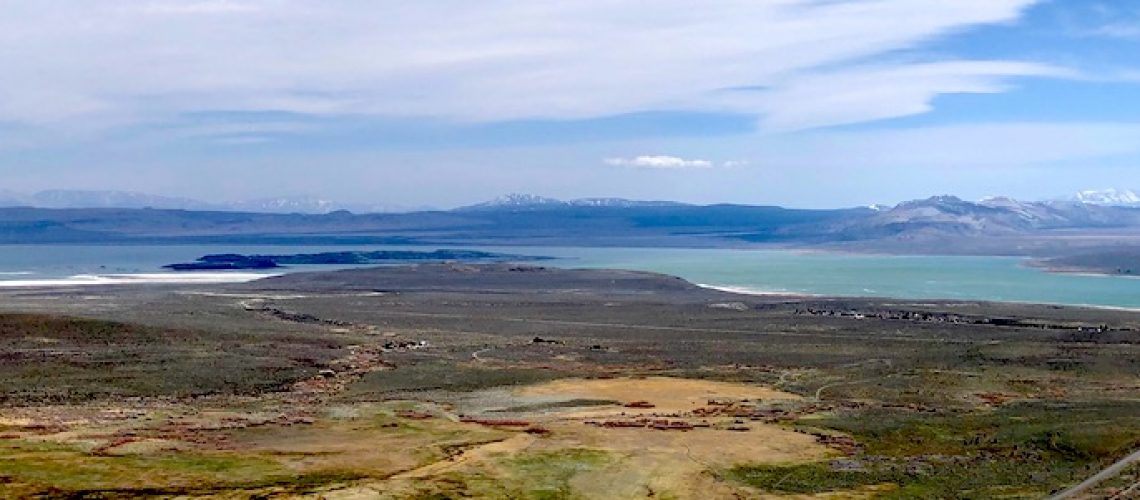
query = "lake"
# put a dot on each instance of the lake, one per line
(761, 271)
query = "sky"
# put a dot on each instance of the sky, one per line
(801, 103)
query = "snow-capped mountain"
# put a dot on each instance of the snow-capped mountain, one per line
(517, 201)
(1109, 196)
(950, 212)
(300, 205)
(942, 216)
(620, 202)
(314, 205)
(62, 198)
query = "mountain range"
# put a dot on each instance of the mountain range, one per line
(531, 202)
(942, 217)
(61, 198)
(1110, 196)
(940, 224)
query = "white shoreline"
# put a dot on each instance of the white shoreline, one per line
(739, 290)
(768, 293)
(136, 279)
(1107, 308)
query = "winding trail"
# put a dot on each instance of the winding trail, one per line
(514, 444)
(476, 357)
(819, 392)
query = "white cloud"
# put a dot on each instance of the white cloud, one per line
(236, 129)
(863, 93)
(1126, 30)
(120, 60)
(198, 7)
(658, 161)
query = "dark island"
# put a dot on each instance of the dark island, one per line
(231, 262)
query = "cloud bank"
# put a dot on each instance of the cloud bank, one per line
(658, 161)
(794, 63)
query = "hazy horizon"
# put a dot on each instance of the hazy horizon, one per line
(317, 204)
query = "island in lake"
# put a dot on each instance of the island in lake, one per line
(228, 262)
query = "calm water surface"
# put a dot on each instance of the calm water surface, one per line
(985, 278)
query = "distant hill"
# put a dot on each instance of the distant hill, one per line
(952, 216)
(59, 198)
(575, 224)
(941, 224)
(532, 202)
(67, 199)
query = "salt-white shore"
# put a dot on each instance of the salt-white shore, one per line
(950, 302)
(752, 291)
(135, 279)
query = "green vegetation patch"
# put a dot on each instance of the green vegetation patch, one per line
(1018, 451)
(811, 478)
(1090, 431)
(59, 470)
(56, 360)
(933, 477)
(528, 476)
(547, 475)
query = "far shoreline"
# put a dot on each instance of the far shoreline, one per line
(757, 286)
(1044, 265)
(752, 292)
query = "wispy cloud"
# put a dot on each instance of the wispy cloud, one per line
(236, 132)
(658, 161)
(496, 60)
(864, 93)
(1126, 30)
(198, 7)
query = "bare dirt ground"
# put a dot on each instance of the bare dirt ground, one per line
(641, 462)
(667, 395)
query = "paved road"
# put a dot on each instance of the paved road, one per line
(1109, 472)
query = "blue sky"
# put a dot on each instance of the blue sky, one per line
(806, 103)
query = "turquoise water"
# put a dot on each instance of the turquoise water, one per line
(916, 277)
